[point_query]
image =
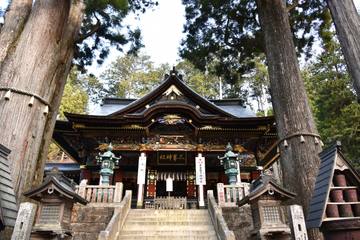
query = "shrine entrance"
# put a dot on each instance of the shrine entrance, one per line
(179, 189)
(183, 184)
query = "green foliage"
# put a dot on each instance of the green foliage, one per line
(103, 28)
(333, 100)
(134, 76)
(75, 98)
(205, 84)
(258, 83)
(228, 34)
(131, 76)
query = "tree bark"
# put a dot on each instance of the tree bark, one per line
(299, 161)
(15, 20)
(38, 65)
(347, 24)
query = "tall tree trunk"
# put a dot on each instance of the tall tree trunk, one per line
(299, 161)
(37, 65)
(347, 24)
(16, 17)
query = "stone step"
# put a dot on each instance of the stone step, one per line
(170, 222)
(184, 237)
(172, 227)
(168, 232)
(167, 224)
(169, 212)
(164, 219)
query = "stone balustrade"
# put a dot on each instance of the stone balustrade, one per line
(100, 193)
(230, 195)
(117, 221)
(217, 219)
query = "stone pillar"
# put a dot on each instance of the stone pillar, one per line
(220, 194)
(200, 178)
(297, 220)
(24, 221)
(141, 180)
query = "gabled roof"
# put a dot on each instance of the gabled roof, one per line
(264, 184)
(8, 206)
(57, 181)
(172, 83)
(331, 159)
(158, 99)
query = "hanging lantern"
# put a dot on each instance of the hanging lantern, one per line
(316, 141)
(302, 139)
(285, 143)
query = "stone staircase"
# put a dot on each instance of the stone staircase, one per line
(149, 224)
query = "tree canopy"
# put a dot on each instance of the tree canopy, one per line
(228, 35)
(103, 28)
(333, 99)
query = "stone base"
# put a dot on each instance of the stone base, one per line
(239, 220)
(88, 221)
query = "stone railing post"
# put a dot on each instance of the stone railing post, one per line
(118, 192)
(218, 220)
(220, 194)
(24, 221)
(82, 188)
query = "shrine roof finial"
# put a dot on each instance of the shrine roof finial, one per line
(173, 72)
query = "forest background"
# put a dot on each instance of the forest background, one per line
(323, 67)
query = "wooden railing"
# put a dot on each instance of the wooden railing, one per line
(170, 203)
(100, 193)
(117, 221)
(230, 195)
(217, 218)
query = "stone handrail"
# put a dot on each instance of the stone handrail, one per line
(116, 223)
(217, 218)
(230, 195)
(100, 193)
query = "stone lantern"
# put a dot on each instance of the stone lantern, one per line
(266, 199)
(56, 196)
(108, 161)
(230, 163)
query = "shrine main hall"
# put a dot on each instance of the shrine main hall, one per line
(172, 132)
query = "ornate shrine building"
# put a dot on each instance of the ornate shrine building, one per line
(166, 130)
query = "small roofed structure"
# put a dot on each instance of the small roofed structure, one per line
(56, 196)
(335, 205)
(266, 199)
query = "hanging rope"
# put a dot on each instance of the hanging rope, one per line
(23, 92)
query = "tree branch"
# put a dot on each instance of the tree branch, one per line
(292, 6)
(93, 30)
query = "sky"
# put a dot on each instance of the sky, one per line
(161, 29)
